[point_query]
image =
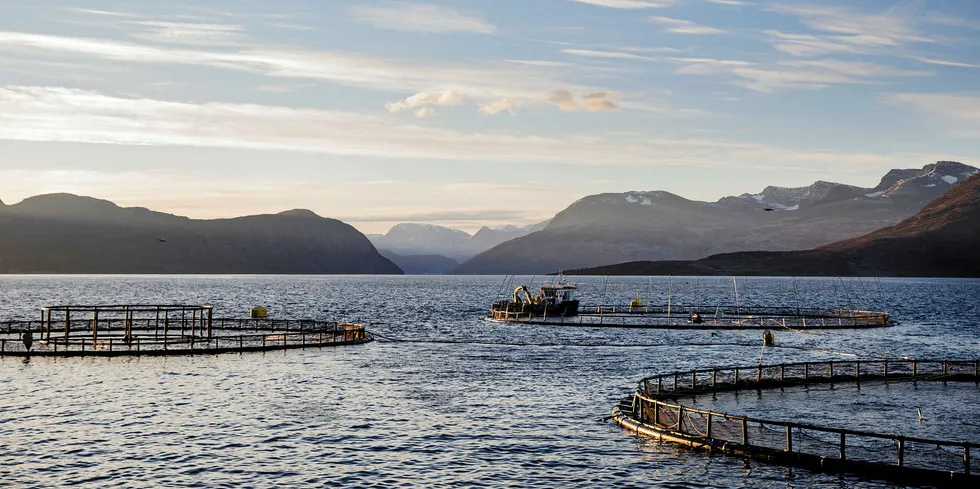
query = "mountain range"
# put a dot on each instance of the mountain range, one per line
(64, 233)
(614, 228)
(940, 240)
(411, 239)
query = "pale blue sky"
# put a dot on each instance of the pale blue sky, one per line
(472, 112)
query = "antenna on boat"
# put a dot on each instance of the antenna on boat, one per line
(881, 299)
(605, 287)
(502, 285)
(796, 292)
(697, 291)
(669, 292)
(847, 296)
(735, 289)
(837, 293)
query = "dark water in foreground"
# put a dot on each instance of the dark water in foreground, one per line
(457, 401)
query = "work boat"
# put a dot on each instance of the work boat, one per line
(554, 300)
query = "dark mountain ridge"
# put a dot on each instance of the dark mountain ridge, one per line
(64, 233)
(641, 226)
(941, 240)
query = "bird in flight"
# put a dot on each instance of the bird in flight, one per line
(161, 240)
(769, 210)
(921, 417)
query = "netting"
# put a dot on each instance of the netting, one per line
(171, 330)
(652, 406)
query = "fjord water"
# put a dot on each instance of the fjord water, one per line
(443, 398)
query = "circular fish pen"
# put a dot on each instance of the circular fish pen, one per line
(698, 317)
(654, 410)
(121, 330)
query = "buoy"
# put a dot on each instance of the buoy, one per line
(28, 339)
(258, 312)
(636, 303)
(768, 338)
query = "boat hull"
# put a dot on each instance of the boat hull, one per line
(519, 310)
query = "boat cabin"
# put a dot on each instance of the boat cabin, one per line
(558, 293)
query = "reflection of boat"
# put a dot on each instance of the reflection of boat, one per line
(555, 300)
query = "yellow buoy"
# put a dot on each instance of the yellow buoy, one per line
(636, 303)
(258, 312)
(768, 338)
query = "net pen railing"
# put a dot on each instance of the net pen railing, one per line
(729, 378)
(654, 404)
(731, 310)
(163, 329)
(187, 344)
(698, 317)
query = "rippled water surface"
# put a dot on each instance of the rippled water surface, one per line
(442, 399)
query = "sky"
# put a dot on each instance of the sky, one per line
(466, 113)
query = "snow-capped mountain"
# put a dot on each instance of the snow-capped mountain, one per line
(906, 188)
(633, 226)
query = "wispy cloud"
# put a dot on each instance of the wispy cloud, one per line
(730, 2)
(951, 21)
(102, 13)
(680, 26)
(290, 26)
(943, 62)
(794, 74)
(482, 83)
(589, 53)
(69, 115)
(191, 33)
(959, 113)
(846, 30)
(481, 215)
(420, 17)
(630, 4)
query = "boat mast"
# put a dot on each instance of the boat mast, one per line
(735, 288)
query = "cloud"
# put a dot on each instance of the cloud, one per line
(807, 45)
(420, 17)
(602, 54)
(942, 62)
(441, 216)
(290, 26)
(448, 97)
(498, 106)
(730, 2)
(630, 4)
(599, 102)
(641, 49)
(592, 102)
(482, 83)
(425, 112)
(846, 30)
(71, 115)
(102, 13)
(680, 26)
(793, 74)
(951, 21)
(190, 33)
(958, 112)
(541, 62)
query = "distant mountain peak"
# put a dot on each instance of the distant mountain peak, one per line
(299, 213)
(66, 204)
